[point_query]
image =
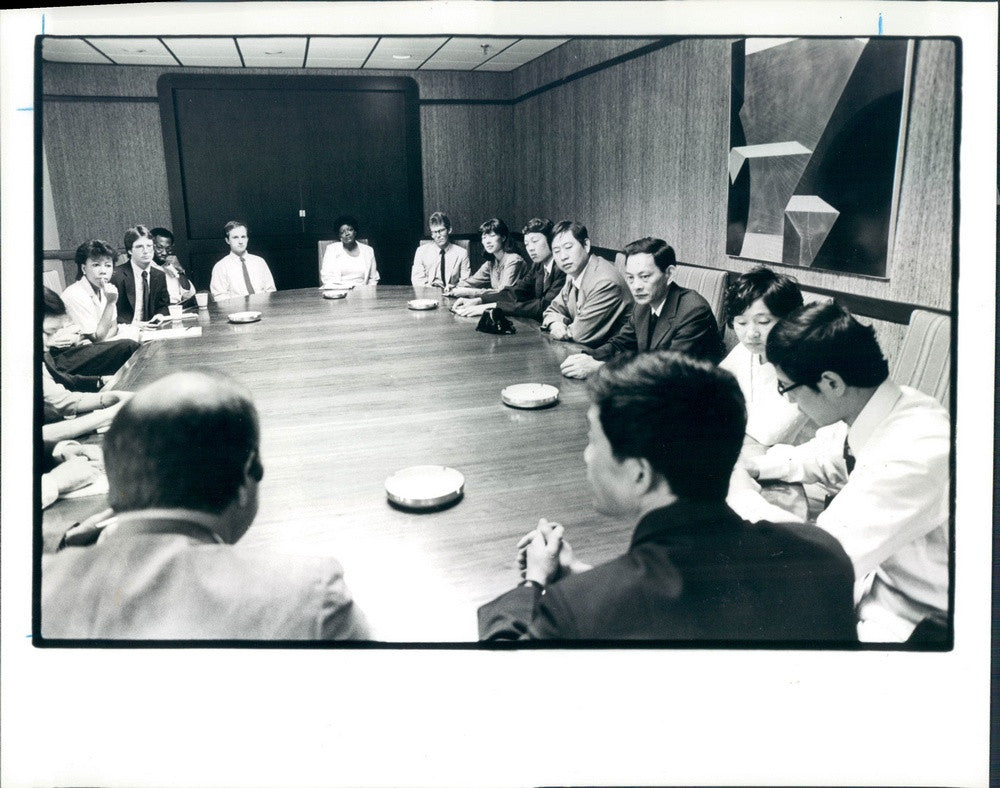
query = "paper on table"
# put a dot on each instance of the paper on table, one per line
(99, 486)
(171, 333)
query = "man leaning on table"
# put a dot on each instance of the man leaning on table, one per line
(240, 273)
(666, 316)
(441, 263)
(595, 301)
(665, 432)
(886, 448)
(183, 464)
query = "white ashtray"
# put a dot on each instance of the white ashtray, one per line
(244, 317)
(424, 486)
(422, 303)
(530, 395)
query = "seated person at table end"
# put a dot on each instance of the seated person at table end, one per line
(183, 466)
(180, 287)
(240, 273)
(348, 261)
(91, 300)
(886, 449)
(501, 267)
(755, 302)
(665, 432)
(534, 290)
(594, 302)
(441, 263)
(142, 289)
(666, 316)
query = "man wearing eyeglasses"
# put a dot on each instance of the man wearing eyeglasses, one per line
(885, 449)
(441, 263)
(180, 287)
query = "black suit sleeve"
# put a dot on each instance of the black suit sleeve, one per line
(160, 301)
(624, 341)
(525, 613)
(124, 306)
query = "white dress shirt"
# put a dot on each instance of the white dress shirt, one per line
(178, 292)
(891, 513)
(85, 306)
(227, 277)
(771, 418)
(341, 267)
(427, 265)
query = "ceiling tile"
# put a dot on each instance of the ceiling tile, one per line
(273, 52)
(328, 52)
(467, 53)
(70, 50)
(419, 49)
(135, 51)
(208, 51)
(524, 51)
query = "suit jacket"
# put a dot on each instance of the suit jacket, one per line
(159, 296)
(686, 324)
(694, 571)
(531, 294)
(163, 575)
(594, 307)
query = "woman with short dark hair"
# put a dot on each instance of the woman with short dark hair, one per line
(348, 261)
(501, 266)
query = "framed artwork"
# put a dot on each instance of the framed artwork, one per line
(817, 133)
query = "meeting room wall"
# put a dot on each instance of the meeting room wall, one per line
(641, 148)
(104, 145)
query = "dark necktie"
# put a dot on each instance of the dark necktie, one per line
(546, 281)
(246, 276)
(444, 282)
(144, 297)
(848, 457)
(652, 327)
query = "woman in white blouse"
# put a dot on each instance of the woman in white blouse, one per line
(348, 261)
(755, 302)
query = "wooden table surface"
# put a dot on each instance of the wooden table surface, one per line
(350, 391)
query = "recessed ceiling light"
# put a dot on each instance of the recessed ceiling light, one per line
(401, 57)
(274, 51)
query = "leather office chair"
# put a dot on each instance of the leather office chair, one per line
(924, 361)
(709, 283)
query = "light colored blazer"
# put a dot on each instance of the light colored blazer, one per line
(427, 265)
(170, 579)
(593, 307)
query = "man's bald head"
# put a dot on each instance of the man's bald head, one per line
(187, 440)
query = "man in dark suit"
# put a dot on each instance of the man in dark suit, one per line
(142, 289)
(533, 292)
(183, 464)
(666, 315)
(665, 433)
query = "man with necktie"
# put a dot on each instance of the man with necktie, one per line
(666, 317)
(142, 289)
(240, 273)
(885, 450)
(179, 285)
(530, 295)
(441, 263)
(595, 302)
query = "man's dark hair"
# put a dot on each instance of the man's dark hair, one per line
(576, 229)
(825, 337)
(162, 232)
(232, 225)
(348, 220)
(133, 234)
(52, 303)
(662, 252)
(539, 225)
(185, 443)
(93, 250)
(439, 219)
(685, 416)
(780, 293)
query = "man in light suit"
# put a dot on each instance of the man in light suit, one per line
(142, 288)
(666, 317)
(595, 301)
(442, 263)
(183, 466)
(665, 433)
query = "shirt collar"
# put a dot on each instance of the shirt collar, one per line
(200, 525)
(872, 414)
(659, 307)
(576, 280)
(137, 271)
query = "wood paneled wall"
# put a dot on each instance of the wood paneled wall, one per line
(639, 148)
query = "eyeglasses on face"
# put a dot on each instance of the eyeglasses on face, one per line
(782, 389)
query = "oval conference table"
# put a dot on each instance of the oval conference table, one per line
(350, 391)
